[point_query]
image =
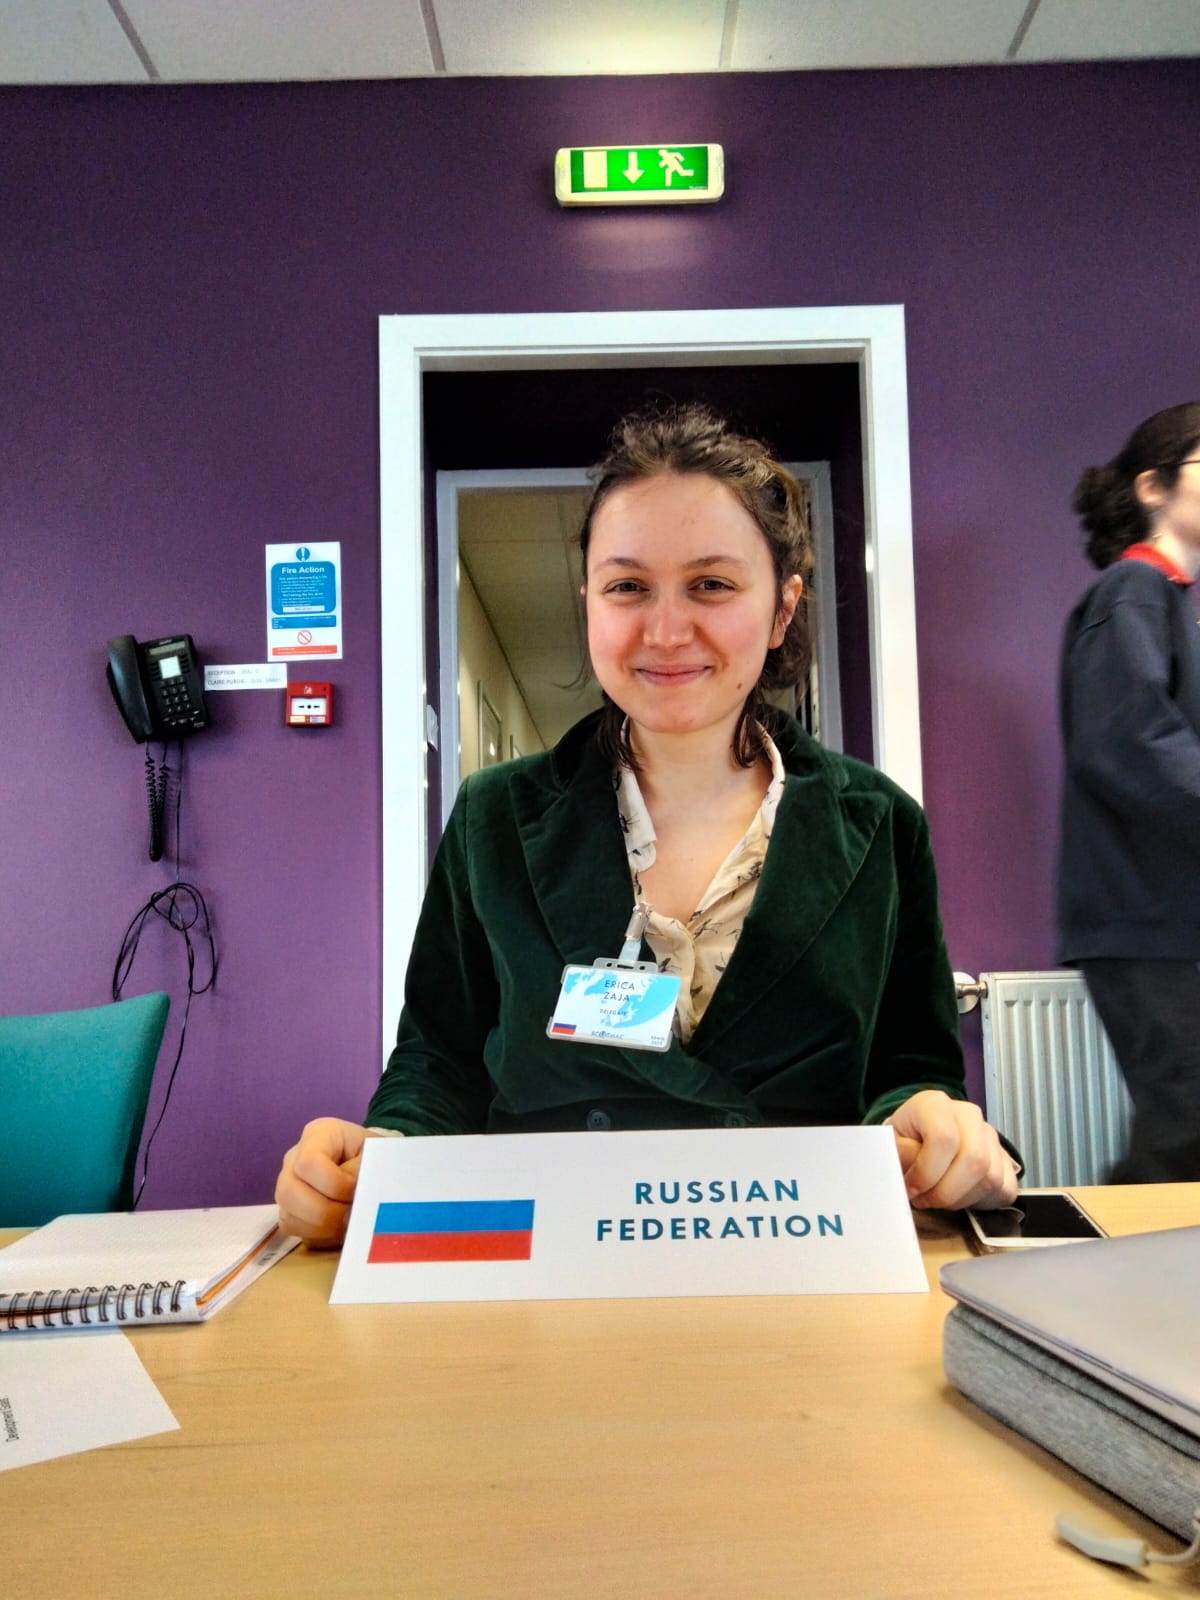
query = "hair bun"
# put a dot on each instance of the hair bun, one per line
(1110, 513)
(1094, 493)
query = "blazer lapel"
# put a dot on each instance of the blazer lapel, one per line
(575, 856)
(819, 843)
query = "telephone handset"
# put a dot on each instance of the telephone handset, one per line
(158, 686)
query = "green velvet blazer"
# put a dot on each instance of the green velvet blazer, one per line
(837, 1003)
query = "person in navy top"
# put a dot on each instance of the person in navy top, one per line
(1129, 865)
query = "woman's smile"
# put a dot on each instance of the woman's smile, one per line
(670, 677)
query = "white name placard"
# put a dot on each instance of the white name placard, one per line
(565, 1216)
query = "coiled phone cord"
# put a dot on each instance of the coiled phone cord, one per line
(156, 798)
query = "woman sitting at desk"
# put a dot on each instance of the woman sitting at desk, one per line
(790, 890)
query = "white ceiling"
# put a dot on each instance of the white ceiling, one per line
(202, 41)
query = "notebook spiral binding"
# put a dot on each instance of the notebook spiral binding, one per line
(126, 1302)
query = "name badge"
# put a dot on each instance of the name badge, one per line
(615, 1005)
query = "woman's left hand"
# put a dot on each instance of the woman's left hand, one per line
(950, 1156)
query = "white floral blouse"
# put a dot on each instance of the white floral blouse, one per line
(698, 951)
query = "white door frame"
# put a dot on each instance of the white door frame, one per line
(870, 336)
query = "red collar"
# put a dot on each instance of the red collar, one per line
(1153, 557)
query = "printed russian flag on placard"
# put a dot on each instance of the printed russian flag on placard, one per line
(452, 1230)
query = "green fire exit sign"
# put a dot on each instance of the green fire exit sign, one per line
(639, 175)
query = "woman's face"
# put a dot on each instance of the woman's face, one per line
(1181, 509)
(1175, 511)
(681, 602)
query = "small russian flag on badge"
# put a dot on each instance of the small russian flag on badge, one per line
(562, 1027)
(452, 1230)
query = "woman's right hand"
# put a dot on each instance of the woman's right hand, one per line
(316, 1182)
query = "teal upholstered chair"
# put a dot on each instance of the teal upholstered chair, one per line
(73, 1092)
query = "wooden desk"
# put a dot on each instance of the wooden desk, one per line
(669, 1449)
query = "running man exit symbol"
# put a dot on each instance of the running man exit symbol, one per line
(671, 161)
(639, 175)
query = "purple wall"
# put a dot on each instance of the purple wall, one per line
(191, 281)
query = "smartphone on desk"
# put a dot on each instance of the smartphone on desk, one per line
(1036, 1217)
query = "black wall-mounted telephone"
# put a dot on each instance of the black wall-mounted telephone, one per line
(158, 686)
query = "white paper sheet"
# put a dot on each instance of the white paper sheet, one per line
(65, 1392)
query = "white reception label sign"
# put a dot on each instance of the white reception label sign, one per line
(564, 1216)
(246, 675)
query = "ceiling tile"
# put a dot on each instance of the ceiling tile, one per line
(546, 626)
(274, 40)
(480, 37)
(516, 562)
(488, 515)
(867, 33)
(81, 41)
(1095, 29)
(65, 41)
(548, 671)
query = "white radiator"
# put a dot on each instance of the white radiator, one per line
(1051, 1081)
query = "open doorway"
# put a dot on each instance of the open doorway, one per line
(416, 353)
(488, 439)
(510, 645)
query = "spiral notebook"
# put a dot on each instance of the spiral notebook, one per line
(126, 1267)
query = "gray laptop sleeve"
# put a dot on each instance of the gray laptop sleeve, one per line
(1108, 1437)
